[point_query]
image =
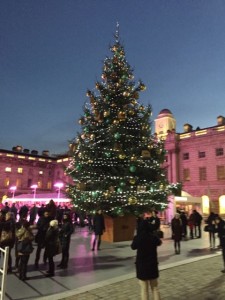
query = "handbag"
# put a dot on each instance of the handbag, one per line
(206, 228)
(6, 237)
(159, 234)
(25, 247)
(58, 248)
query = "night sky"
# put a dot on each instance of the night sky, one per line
(52, 51)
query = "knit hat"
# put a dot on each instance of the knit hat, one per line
(53, 223)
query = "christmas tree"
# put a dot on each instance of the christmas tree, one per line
(116, 164)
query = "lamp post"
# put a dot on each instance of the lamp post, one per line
(58, 185)
(34, 187)
(13, 189)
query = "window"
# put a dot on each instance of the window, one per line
(6, 182)
(18, 182)
(186, 174)
(49, 185)
(8, 169)
(219, 151)
(39, 184)
(220, 172)
(202, 174)
(29, 182)
(20, 170)
(201, 154)
(185, 156)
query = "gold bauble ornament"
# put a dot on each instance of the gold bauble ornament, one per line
(106, 113)
(122, 156)
(121, 115)
(106, 194)
(132, 181)
(115, 121)
(131, 112)
(132, 200)
(133, 158)
(92, 136)
(136, 95)
(161, 187)
(142, 87)
(81, 121)
(126, 94)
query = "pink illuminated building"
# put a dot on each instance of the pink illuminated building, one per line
(196, 158)
(31, 173)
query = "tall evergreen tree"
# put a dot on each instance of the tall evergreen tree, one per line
(116, 163)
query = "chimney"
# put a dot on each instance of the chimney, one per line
(45, 153)
(187, 128)
(34, 152)
(220, 120)
(17, 148)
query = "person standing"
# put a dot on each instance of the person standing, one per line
(52, 209)
(25, 237)
(6, 208)
(176, 225)
(191, 224)
(146, 243)
(51, 245)
(184, 220)
(198, 223)
(65, 236)
(211, 229)
(220, 223)
(42, 227)
(23, 212)
(14, 210)
(8, 235)
(33, 214)
(98, 228)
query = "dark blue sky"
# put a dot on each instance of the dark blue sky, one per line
(52, 51)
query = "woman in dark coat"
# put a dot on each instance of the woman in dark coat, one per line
(146, 242)
(99, 228)
(51, 246)
(65, 236)
(8, 226)
(176, 225)
(211, 221)
(220, 223)
(24, 235)
(42, 227)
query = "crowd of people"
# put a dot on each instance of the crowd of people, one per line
(49, 226)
